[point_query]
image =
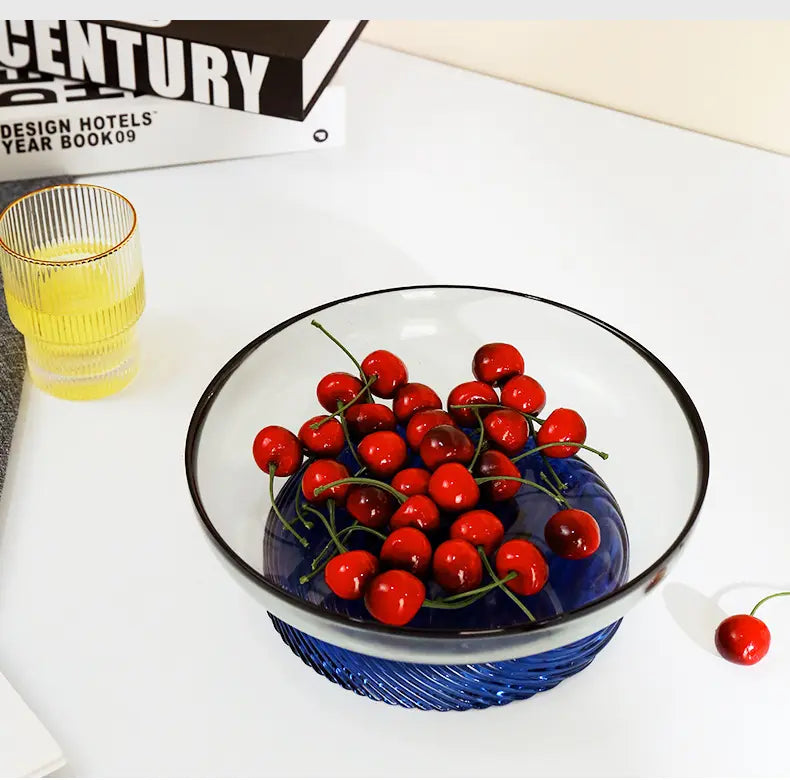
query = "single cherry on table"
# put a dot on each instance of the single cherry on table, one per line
(745, 639)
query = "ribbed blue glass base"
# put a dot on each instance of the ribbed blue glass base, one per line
(444, 687)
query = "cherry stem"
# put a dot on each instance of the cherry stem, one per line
(275, 509)
(530, 417)
(363, 481)
(559, 499)
(340, 409)
(308, 524)
(550, 483)
(560, 484)
(480, 441)
(768, 598)
(318, 564)
(328, 524)
(540, 447)
(350, 444)
(460, 600)
(323, 330)
(501, 584)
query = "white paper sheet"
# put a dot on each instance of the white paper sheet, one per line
(26, 747)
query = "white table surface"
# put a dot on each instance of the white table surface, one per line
(122, 630)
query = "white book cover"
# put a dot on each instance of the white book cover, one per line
(26, 747)
(53, 127)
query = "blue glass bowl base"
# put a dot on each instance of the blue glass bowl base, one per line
(444, 687)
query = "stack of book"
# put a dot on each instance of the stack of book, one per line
(81, 97)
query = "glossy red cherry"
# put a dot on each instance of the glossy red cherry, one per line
(493, 463)
(412, 481)
(524, 558)
(407, 549)
(320, 473)
(416, 512)
(524, 394)
(383, 452)
(412, 398)
(470, 393)
(369, 505)
(363, 419)
(453, 488)
(394, 597)
(326, 440)
(497, 362)
(277, 446)
(507, 430)
(445, 444)
(390, 369)
(422, 422)
(479, 527)
(572, 534)
(743, 639)
(457, 566)
(349, 573)
(337, 387)
(562, 425)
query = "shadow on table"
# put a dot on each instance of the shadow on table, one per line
(696, 614)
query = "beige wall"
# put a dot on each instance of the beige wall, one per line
(725, 78)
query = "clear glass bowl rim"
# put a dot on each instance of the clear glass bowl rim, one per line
(649, 576)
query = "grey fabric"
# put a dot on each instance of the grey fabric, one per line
(12, 348)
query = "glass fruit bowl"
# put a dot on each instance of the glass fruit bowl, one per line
(646, 496)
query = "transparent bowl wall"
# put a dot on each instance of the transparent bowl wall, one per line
(634, 408)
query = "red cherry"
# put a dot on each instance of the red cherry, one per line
(363, 419)
(383, 452)
(275, 445)
(391, 371)
(348, 574)
(493, 463)
(407, 549)
(572, 534)
(743, 639)
(412, 398)
(326, 440)
(497, 362)
(445, 444)
(524, 394)
(412, 482)
(320, 473)
(524, 558)
(369, 505)
(416, 512)
(453, 488)
(422, 422)
(337, 387)
(507, 429)
(394, 597)
(470, 393)
(457, 566)
(562, 425)
(479, 527)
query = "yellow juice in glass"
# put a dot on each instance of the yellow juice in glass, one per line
(77, 302)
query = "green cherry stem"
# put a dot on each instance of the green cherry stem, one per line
(768, 598)
(308, 524)
(319, 564)
(340, 409)
(557, 498)
(276, 510)
(460, 600)
(480, 441)
(550, 484)
(323, 330)
(328, 524)
(350, 443)
(363, 481)
(501, 584)
(540, 447)
(560, 484)
(497, 406)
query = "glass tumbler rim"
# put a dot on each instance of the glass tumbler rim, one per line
(82, 261)
(642, 580)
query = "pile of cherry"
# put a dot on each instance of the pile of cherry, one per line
(428, 519)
